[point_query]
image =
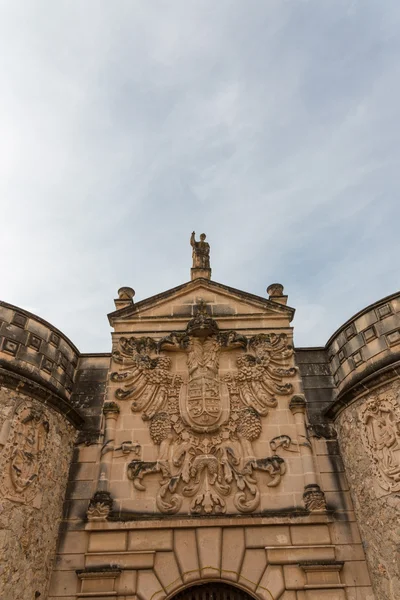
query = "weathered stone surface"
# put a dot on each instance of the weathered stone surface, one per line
(369, 447)
(35, 453)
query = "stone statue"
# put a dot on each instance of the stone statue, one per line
(201, 252)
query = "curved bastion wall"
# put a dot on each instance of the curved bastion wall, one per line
(365, 362)
(37, 434)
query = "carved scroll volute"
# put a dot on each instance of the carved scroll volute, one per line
(204, 424)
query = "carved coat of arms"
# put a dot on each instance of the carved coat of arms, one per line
(204, 421)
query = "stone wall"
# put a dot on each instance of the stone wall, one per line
(35, 452)
(369, 436)
(365, 344)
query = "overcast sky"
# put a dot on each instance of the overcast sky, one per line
(272, 125)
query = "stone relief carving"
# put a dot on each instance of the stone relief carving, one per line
(381, 438)
(100, 506)
(23, 454)
(204, 422)
(314, 498)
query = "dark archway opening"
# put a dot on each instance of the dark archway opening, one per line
(212, 590)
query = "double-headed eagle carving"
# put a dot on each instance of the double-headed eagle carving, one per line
(204, 420)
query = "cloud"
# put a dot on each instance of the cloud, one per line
(270, 125)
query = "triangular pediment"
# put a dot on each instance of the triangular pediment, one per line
(228, 306)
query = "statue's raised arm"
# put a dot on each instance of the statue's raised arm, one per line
(201, 252)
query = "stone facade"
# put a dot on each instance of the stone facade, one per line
(203, 448)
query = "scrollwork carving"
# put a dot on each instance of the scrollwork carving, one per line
(203, 422)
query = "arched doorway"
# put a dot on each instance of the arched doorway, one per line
(212, 590)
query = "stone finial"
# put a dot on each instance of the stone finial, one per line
(125, 297)
(201, 257)
(298, 404)
(275, 293)
(126, 293)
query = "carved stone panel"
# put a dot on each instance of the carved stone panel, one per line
(381, 438)
(24, 453)
(204, 420)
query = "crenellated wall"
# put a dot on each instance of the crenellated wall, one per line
(37, 356)
(364, 357)
(365, 344)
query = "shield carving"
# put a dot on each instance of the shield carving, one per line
(204, 403)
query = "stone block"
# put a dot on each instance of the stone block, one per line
(348, 552)
(108, 541)
(124, 560)
(127, 583)
(310, 534)
(80, 490)
(360, 593)
(233, 549)
(271, 584)
(153, 539)
(325, 594)
(148, 586)
(73, 542)
(355, 573)
(63, 583)
(186, 553)
(340, 501)
(365, 321)
(167, 571)
(286, 555)
(209, 541)
(69, 562)
(83, 472)
(89, 453)
(334, 482)
(329, 464)
(271, 535)
(344, 533)
(294, 577)
(253, 566)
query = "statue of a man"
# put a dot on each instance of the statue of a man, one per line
(201, 252)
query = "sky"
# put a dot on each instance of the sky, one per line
(271, 125)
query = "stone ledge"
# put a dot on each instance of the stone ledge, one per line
(193, 522)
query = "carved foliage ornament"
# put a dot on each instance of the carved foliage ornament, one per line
(381, 438)
(202, 421)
